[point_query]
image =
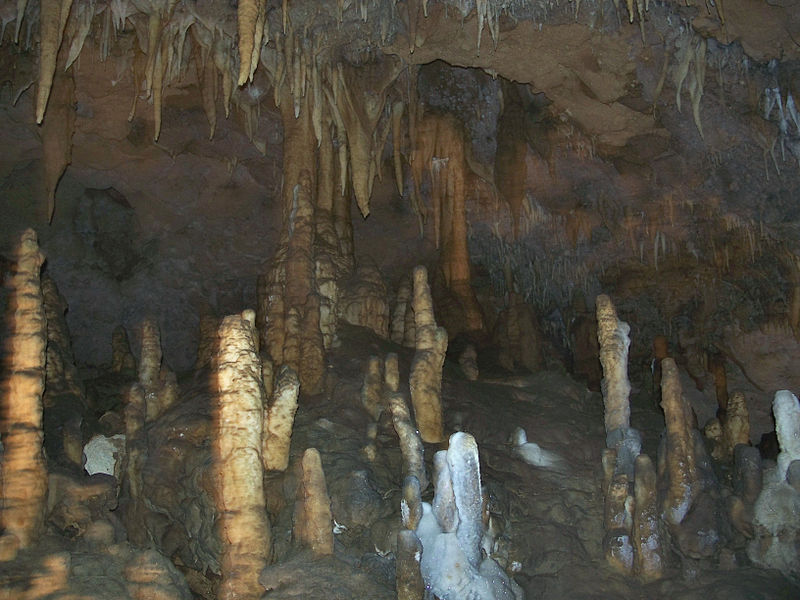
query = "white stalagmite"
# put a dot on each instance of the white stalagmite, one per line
(612, 334)
(787, 426)
(452, 565)
(776, 543)
(23, 473)
(279, 420)
(239, 495)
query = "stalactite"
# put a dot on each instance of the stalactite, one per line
(52, 20)
(23, 472)
(440, 150)
(360, 95)
(57, 134)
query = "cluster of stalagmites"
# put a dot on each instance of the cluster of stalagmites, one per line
(187, 468)
(680, 503)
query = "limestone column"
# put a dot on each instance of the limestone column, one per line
(23, 472)
(236, 449)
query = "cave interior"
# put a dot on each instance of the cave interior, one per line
(454, 299)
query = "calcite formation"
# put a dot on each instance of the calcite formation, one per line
(122, 360)
(426, 370)
(519, 335)
(402, 306)
(236, 447)
(776, 530)
(278, 420)
(313, 523)
(680, 464)
(614, 343)
(64, 400)
(451, 531)
(410, 439)
(649, 561)
(23, 472)
(364, 301)
(691, 504)
(158, 383)
(372, 388)
(441, 153)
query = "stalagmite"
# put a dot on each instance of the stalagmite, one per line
(410, 440)
(679, 457)
(279, 420)
(452, 531)
(776, 541)
(649, 556)
(159, 385)
(614, 343)
(468, 361)
(787, 425)
(391, 372)
(401, 304)
(313, 523)
(408, 578)
(64, 399)
(122, 360)
(426, 370)
(612, 335)
(618, 544)
(236, 447)
(136, 451)
(372, 388)
(735, 424)
(23, 473)
(409, 583)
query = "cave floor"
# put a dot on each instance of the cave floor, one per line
(549, 521)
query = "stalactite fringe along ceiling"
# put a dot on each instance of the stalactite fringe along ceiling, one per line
(523, 161)
(335, 58)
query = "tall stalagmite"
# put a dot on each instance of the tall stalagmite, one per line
(238, 422)
(23, 473)
(426, 370)
(679, 457)
(313, 523)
